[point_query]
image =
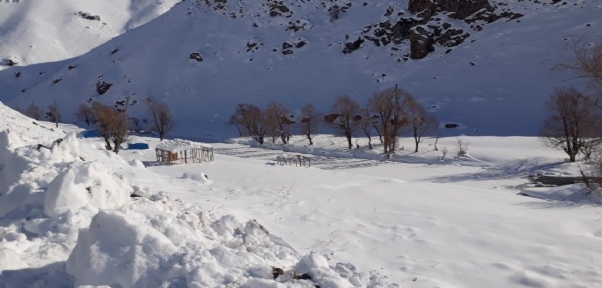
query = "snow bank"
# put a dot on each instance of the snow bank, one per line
(118, 250)
(577, 193)
(85, 184)
(177, 145)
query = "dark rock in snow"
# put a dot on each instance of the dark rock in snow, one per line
(102, 87)
(88, 16)
(451, 125)
(196, 56)
(421, 43)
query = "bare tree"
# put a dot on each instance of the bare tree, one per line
(112, 125)
(162, 118)
(236, 122)
(33, 111)
(391, 106)
(341, 118)
(310, 122)
(278, 115)
(421, 122)
(85, 113)
(53, 114)
(104, 116)
(253, 119)
(585, 63)
(365, 121)
(574, 124)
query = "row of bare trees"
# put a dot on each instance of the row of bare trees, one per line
(390, 113)
(112, 123)
(575, 121)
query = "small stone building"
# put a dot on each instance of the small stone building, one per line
(178, 151)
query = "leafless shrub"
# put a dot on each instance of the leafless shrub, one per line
(443, 152)
(421, 122)
(162, 120)
(310, 122)
(391, 106)
(253, 119)
(86, 114)
(436, 141)
(461, 148)
(341, 118)
(574, 124)
(33, 111)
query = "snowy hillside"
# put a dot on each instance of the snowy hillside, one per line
(203, 57)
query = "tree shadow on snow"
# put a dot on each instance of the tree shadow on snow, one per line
(513, 169)
(52, 275)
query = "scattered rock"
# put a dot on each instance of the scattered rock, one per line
(11, 62)
(57, 80)
(17, 74)
(196, 56)
(71, 67)
(421, 43)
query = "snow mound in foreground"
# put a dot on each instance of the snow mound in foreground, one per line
(161, 242)
(84, 184)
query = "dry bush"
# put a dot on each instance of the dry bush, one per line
(391, 106)
(461, 148)
(162, 121)
(443, 152)
(33, 111)
(86, 114)
(421, 122)
(253, 119)
(343, 111)
(574, 124)
(310, 122)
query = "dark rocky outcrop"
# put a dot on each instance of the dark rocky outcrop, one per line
(57, 80)
(421, 43)
(11, 62)
(102, 87)
(88, 16)
(461, 9)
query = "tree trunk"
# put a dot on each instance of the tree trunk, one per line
(572, 157)
(348, 135)
(417, 142)
(161, 135)
(108, 144)
(239, 131)
(309, 138)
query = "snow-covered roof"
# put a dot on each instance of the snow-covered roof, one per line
(177, 145)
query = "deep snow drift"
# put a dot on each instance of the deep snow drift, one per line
(203, 62)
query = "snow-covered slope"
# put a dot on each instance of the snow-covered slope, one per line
(494, 82)
(38, 31)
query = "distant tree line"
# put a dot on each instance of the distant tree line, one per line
(389, 113)
(111, 122)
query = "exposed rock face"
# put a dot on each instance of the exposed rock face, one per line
(461, 9)
(424, 8)
(421, 43)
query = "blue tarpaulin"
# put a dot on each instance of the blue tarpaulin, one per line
(137, 146)
(92, 133)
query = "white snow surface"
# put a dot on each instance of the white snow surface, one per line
(505, 67)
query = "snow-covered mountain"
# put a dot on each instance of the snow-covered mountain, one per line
(481, 64)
